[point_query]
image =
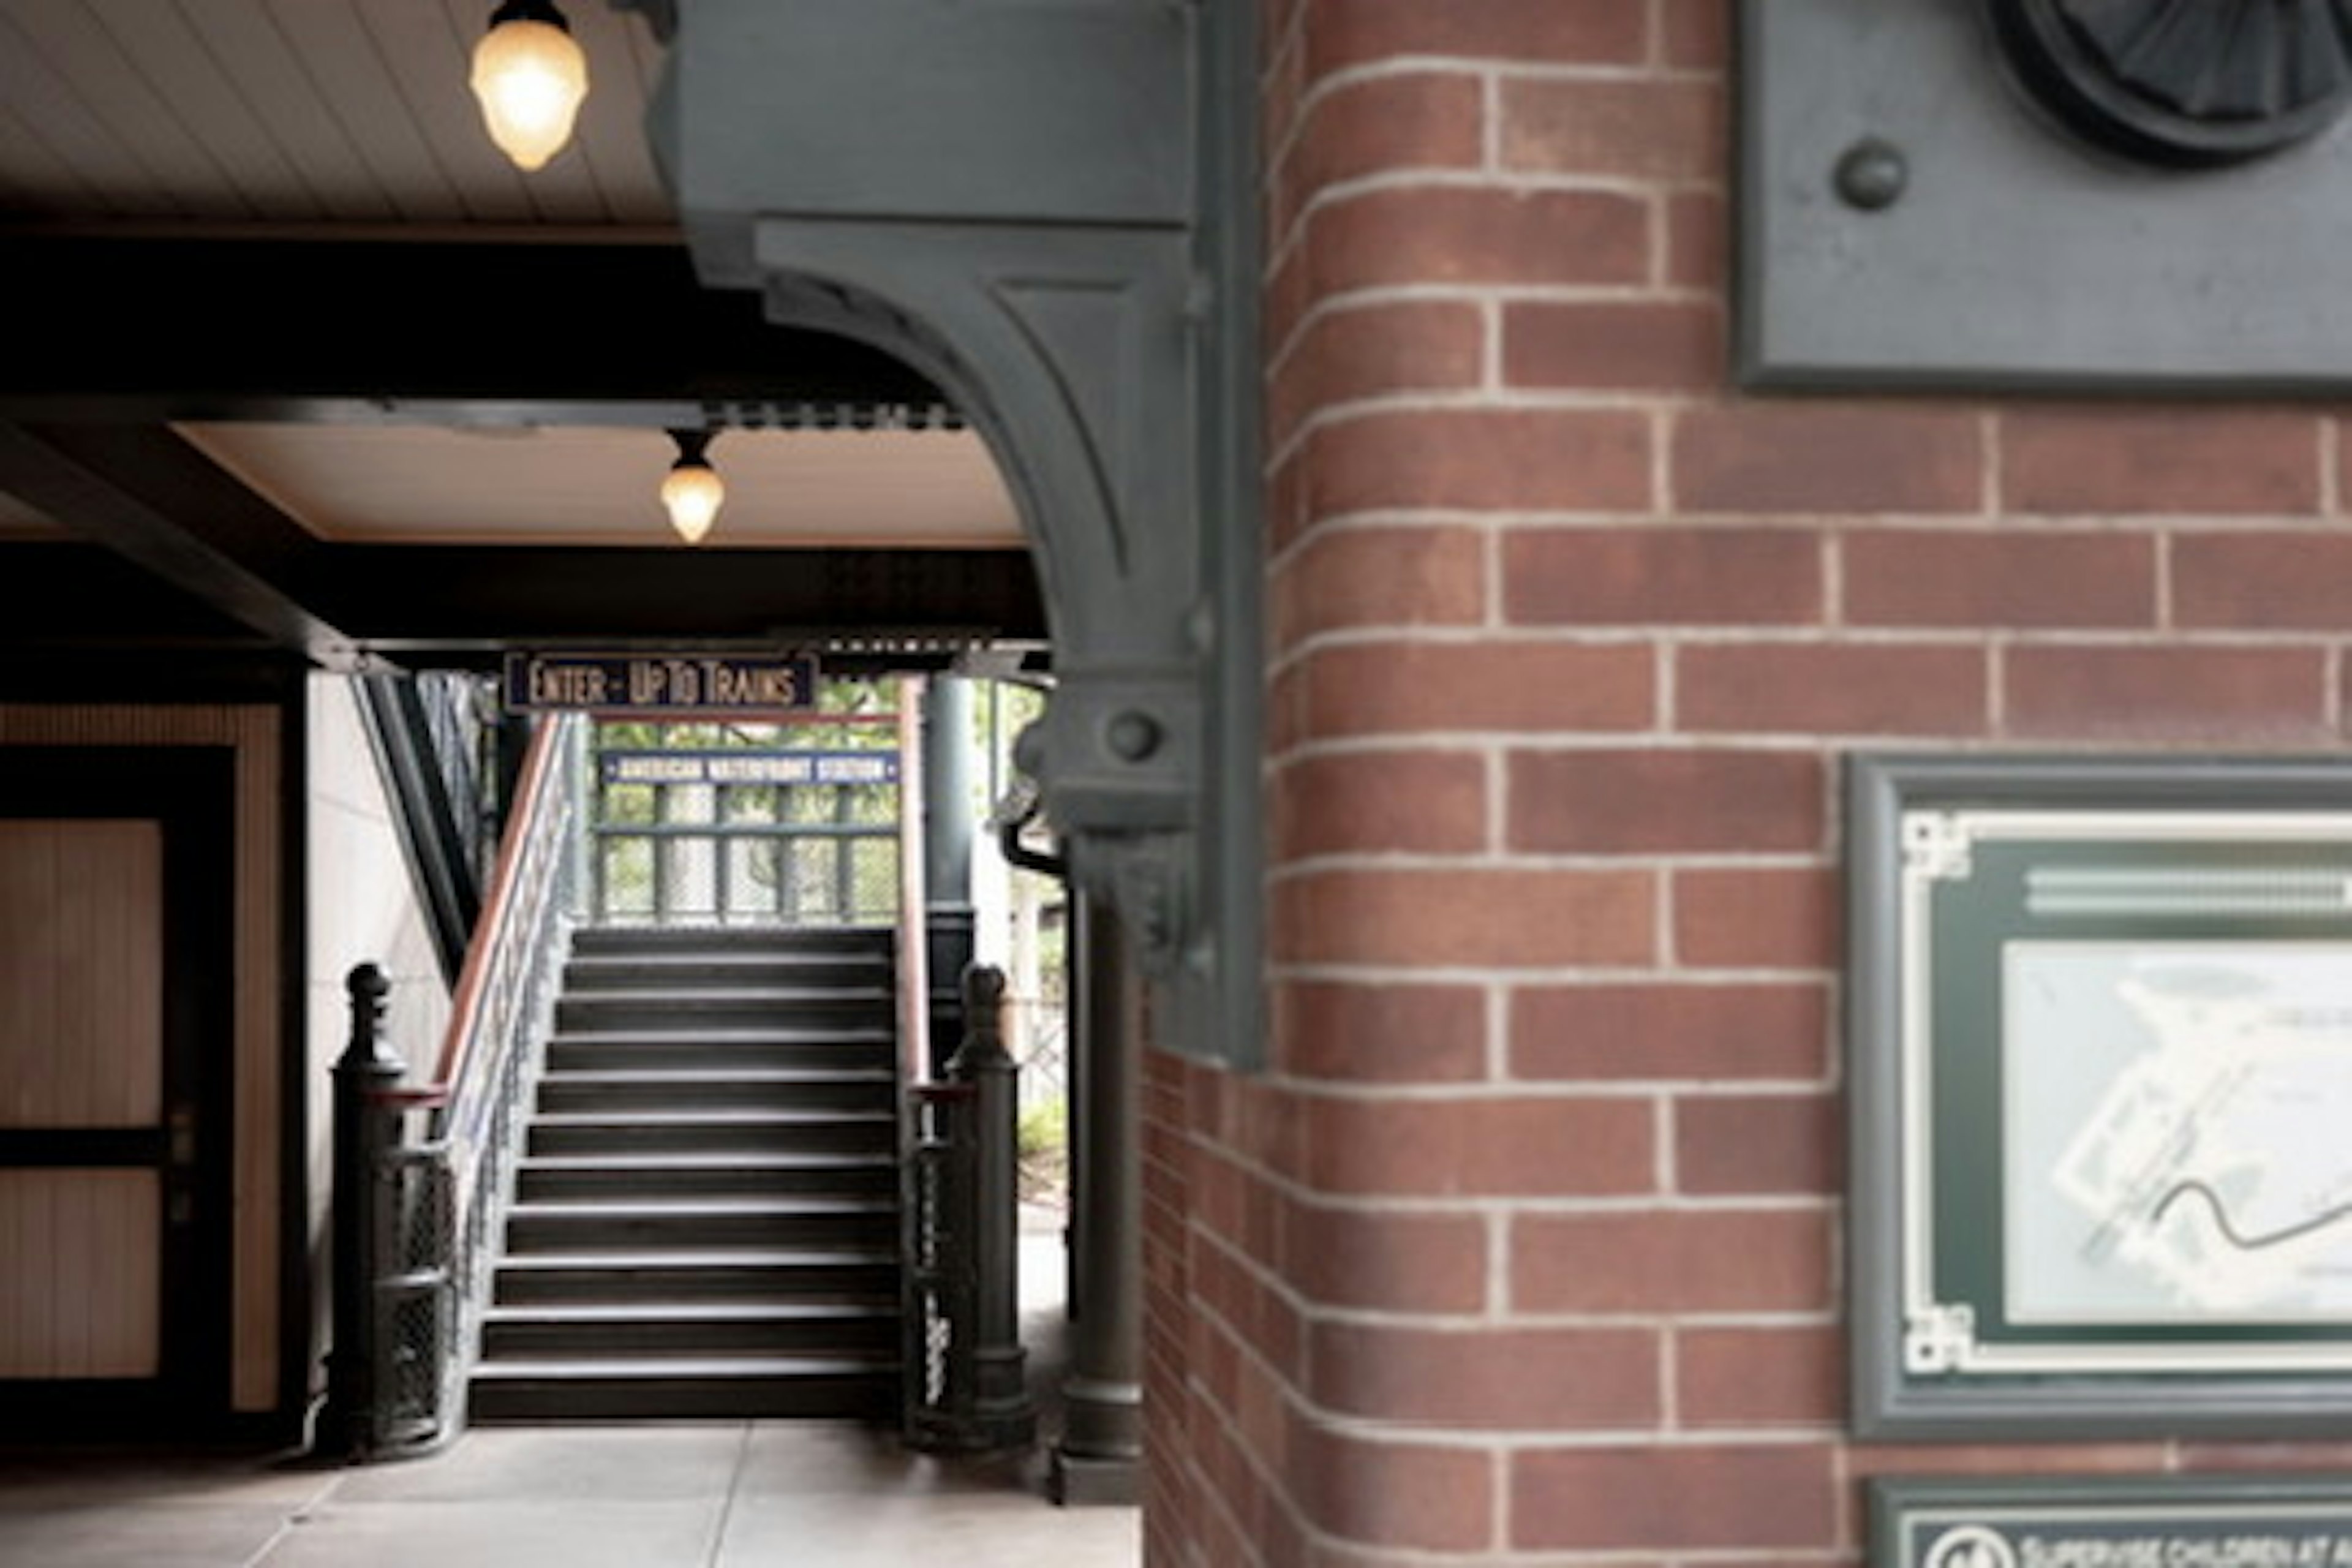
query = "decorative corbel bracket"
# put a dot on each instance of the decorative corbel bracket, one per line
(1048, 208)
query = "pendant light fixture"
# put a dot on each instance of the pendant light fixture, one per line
(692, 492)
(530, 77)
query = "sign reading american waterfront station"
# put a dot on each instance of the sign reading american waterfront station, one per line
(749, 768)
(2144, 1521)
(662, 685)
(2101, 1057)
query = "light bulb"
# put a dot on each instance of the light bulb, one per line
(531, 79)
(692, 492)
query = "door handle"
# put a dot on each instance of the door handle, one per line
(179, 1181)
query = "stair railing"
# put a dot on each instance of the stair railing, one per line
(916, 1178)
(427, 732)
(962, 1383)
(424, 1171)
(966, 1381)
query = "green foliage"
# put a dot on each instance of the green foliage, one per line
(1044, 1129)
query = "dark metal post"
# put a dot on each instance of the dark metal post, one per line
(950, 821)
(1100, 1456)
(1002, 1413)
(349, 1426)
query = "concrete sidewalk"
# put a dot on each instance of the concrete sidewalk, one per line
(699, 1494)
(718, 1494)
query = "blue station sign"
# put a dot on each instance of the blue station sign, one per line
(668, 685)
(746, 767)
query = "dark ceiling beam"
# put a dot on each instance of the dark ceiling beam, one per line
(65, 595)
(155, 500)
(406, 331)
(401, 599)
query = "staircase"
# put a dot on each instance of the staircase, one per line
(706, 1214)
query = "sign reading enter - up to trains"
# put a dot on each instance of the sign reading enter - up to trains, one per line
(665, 684)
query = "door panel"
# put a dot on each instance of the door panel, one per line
(82, 1047)
(81, 1255)
(81, 973)
(115, 1063)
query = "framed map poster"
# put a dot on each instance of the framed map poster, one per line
(2100, 1075)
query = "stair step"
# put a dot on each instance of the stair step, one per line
(689, 1012)
(829, 1386)
(749, 971)
(706, 1220)
(714, 1132)
(737, 1274)
(700, 1225)
(560, 1178)
(648, 1329)
(716, 1051)
(684, 1089)
(627, 941)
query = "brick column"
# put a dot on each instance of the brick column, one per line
(1525, 1246)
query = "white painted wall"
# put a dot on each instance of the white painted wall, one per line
(363, 909)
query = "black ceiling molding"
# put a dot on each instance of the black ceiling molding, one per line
(416, 332)
(155, 502)
(2184, 83)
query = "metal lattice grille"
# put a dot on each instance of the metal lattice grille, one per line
(693, 826)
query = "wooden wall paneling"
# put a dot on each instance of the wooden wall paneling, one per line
(258, 1098)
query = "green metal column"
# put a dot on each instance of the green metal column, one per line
(950, 819)
(1100, 1456)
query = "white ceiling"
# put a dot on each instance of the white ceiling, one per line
(371, 484)
(352, 116)
(302, 112)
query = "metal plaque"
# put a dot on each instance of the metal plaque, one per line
(2141, 1521)
(1993, 194)
(2100, 1044)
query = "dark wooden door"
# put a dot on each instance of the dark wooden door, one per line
(115, 1055)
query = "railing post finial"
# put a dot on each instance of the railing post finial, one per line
(1000, 1409)
(351, 1424)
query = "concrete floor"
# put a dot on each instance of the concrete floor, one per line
(727, 1494)
(701, 1495)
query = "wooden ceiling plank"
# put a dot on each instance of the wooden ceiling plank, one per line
(183, 62)
(429, 57)
(79, 39)
(58, 122)
(283, 98)
(38, 173)
(353, 78)
(612, 145)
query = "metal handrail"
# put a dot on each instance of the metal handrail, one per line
(914, 1007)
(433, 1205)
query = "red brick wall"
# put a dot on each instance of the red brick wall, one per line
(1527, 1243)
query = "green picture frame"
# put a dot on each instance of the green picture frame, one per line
(2235, 1521)
(2099, 1062)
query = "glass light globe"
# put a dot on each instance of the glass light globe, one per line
(531, 79)
(692, 493)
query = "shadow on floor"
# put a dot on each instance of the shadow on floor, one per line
(720, 1494)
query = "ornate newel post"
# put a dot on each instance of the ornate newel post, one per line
(363, 1128)
(1001, 1413)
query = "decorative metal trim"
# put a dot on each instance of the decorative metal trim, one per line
(1083, 287)
(2184, 83)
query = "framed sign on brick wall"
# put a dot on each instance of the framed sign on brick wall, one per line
(2100, 1066)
